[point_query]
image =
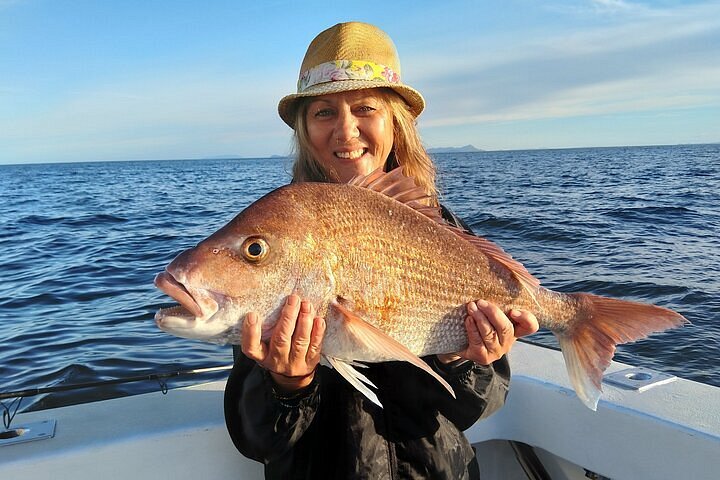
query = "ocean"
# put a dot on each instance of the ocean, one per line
(80, 244)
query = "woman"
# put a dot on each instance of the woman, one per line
(352, 115)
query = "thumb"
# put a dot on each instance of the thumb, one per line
(525, 322)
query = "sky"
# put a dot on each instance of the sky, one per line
(151, 79)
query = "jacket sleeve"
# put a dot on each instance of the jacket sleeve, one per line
(264, 424)
(480, 390)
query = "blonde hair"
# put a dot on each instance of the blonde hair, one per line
(407, 150)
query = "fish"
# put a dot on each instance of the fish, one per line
(391, 278)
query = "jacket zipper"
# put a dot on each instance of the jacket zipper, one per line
(392, 459)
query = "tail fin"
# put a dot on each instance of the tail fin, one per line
(588, 346)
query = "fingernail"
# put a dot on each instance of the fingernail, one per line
(482, 303)
(515, 313)
(472, 307)
(251, 320)
(292, 300)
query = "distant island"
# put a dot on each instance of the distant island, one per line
(241, 157)
(465, 149)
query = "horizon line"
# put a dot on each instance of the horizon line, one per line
(285, 157)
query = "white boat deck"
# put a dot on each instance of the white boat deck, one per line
(667, 432)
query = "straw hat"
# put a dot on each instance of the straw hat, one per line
(345, 57)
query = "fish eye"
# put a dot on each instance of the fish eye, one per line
(254, 249)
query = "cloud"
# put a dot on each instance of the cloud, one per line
(606, 98)
(651, 63)
(614, 5)
(593, 8)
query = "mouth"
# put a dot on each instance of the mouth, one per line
(194, 302)
(351, 154)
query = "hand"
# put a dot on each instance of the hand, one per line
(491, 333)
(293, 351)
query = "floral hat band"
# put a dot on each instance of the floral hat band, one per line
(346, 57)
(346, 70)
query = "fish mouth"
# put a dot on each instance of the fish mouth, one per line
(194, 302)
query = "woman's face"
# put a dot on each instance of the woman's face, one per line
(351, 133)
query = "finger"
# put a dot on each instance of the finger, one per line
(482, 326)
(303, 330)
(504, 329)
(525, 322)
(282, 334)
(252, 344)
(489, 336)
(316, 339)
(475, 337)
(476, 350)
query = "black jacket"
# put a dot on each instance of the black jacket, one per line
(331, 431)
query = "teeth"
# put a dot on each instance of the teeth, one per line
(350, 155)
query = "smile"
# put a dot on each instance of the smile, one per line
(350, 155)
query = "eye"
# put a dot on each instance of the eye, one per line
(323, 112)
(254, 249)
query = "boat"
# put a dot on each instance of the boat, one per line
(648, 425)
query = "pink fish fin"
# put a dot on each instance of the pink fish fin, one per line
(365, 180)
(588, 346)
(384, 346)
(416, 195)
(393, 184)
(493, 251)
(355, 378)
(378, 179)
(433, 213)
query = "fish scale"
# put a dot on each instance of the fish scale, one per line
(434, 285)
(409, 322)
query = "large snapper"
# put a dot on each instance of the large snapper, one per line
(390, 277)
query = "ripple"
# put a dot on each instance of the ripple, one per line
(651, 214)
(639, 290)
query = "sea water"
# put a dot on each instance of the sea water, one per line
(80, 244)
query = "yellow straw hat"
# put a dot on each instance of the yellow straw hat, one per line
(349, 56)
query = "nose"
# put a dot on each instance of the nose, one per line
(346, 126)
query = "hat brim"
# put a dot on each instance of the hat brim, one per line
(288, 104)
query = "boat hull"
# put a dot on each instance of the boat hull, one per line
(668, 431)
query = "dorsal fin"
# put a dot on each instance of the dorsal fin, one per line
(394, 184)
(495, 252)
(403, 189)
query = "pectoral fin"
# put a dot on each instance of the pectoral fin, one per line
(355, 378)
(380, 345)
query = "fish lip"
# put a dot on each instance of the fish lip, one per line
(176, 317)
(191, 299)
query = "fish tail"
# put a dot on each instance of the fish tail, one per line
(589, 344)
